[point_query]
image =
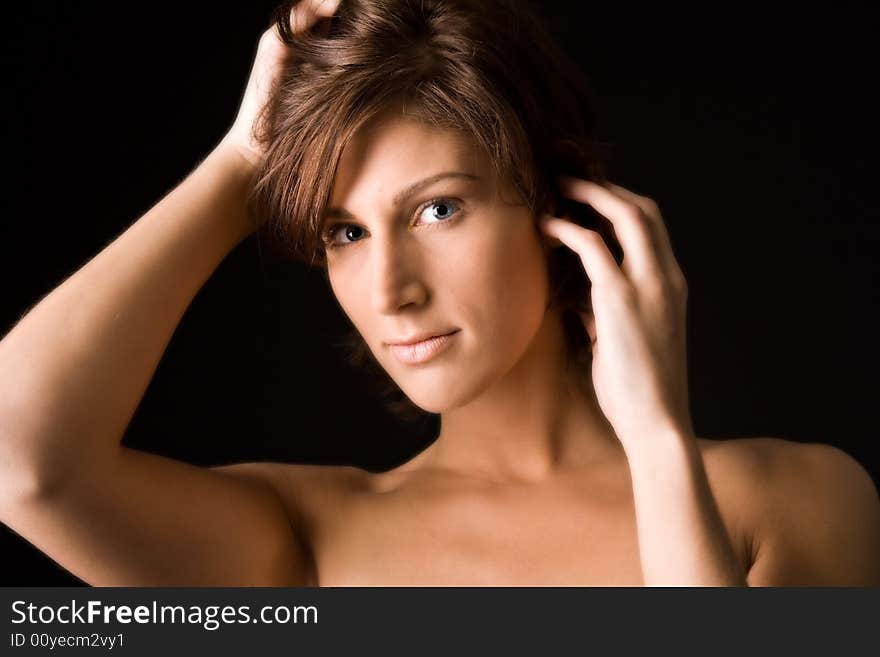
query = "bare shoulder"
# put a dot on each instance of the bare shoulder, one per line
(307, 493)
(813, 509)
(299, 484)
(737, 470)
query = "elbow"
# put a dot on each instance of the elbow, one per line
(19, 488)
(27, 473)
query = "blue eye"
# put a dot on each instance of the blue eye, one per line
(448, 208)
(440, 203)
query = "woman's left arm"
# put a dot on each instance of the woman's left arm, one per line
(682, 538)
(639, 371)
(820, 517)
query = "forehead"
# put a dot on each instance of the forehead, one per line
(394, 149)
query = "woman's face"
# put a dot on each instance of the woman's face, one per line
(454, 254)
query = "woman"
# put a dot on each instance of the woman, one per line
(566, 454)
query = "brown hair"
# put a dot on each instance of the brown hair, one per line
(486, 68)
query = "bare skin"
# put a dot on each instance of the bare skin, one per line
(791, 517)
(542, 496)
(417, 526)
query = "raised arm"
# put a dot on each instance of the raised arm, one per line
(75, 367)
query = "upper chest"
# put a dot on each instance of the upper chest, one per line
(432, 533)
(576, 532)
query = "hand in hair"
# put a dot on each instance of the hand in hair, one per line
(637, 323)
(265, 71)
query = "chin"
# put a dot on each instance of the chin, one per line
(434, 403)
(437, 407)
(431, 396)
(437, 393)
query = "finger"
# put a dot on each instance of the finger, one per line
(640, 258)
(303, 15)
(327, 8)
(598, 262)
(655, 219)
(306, 13)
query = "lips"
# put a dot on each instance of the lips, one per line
(423, 350)
(419, 338)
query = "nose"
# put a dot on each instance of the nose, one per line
(394, 270)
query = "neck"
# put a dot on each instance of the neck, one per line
(536, 421)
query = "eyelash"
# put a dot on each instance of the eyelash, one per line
(329, 232)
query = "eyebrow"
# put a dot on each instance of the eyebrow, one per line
(405, 193)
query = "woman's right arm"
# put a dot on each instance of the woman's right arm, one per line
(75, 367)
(72, 372)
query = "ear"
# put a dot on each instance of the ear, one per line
(547, 241)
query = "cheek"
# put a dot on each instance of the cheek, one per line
(514, 285)
(348, 297)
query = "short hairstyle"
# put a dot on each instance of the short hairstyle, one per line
(486, 68)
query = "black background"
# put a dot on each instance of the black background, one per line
(754, 132)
